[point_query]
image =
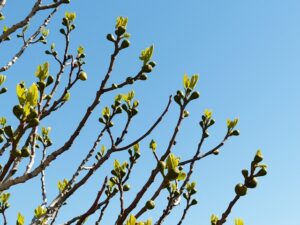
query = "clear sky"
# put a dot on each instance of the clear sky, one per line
(247, 54)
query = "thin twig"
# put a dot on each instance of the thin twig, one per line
(27, 42)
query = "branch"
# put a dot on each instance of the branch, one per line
(154, 172)
(43, 185)
(36, 7)
(93, 208)
(228, 210)
(148, 132)
(74, 135)
(205, 154)
(27, 42)
(58, 201)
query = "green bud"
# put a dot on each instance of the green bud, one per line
(194, 95)
(126, 187)
(18, 111)
(245, 173)
(177, 99)
(125, 44)
(176, 193)
(150, 204)
(258, 157)
(143, 76)
(134, 112)
(194, 202)
(50, 80)
(110, 37)
(152, 63)
(211, 122)
(120, 31)
(25, 152)
(216, 152)
(193, 191)
(82, 76)
(234, 133)
(129, 80)
(16, 153)
(1, 139)
(185, 195)
(34, 122)
(262, 172)
(118, 110)
(180, 94)
(251, 183)
(186, 113)
(9, 131)
(3, 90)
(33, 113)
(240, 189)
(115, 190)
(62, 31)
(206, 134)
(161, 166)
(147, 68)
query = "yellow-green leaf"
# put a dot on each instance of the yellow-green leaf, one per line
(121, 22)
(193, 81)
(21, 93)
(214, 219)
(42, 71)
(39, 211)
(153, 145)
(207, 113)
(21, 219)
(238, 221)
(131, 220)
(2, 79)
(80, 50)
(70, 16)
(172, 161)
(146, 54)
(32, 95)
(186, 81)
(67, 97)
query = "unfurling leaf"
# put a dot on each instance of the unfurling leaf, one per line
(21, 93)
(214, 219)
(32, 95)
(121, 22)
(2, 79)
(238, 221)
(66, 97)
(42, 71)
(20, 219)
(152, 145)
(131, 220)
(39, 211)
(70, 16)
(147, 54)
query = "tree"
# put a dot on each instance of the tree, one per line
(172, 174)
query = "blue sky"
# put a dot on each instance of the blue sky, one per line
(247, 55)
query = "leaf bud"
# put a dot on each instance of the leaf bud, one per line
(110, 37)
(150, 204)
(240, 189)
(82, 76)
(125, 44)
